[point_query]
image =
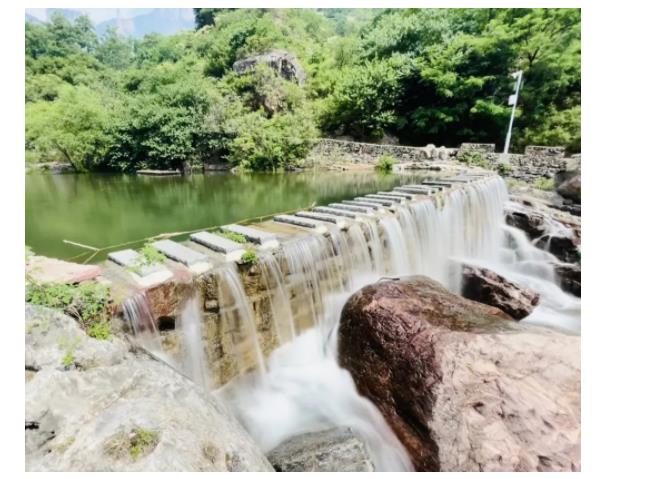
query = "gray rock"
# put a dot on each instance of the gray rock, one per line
(95, 405)
(284, 63)
(333, 450)
(571, 189)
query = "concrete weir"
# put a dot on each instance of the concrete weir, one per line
(298, 259)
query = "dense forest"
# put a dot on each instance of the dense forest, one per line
(419, 75)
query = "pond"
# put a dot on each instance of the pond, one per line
(105, 209)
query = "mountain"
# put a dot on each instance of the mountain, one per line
(161, 20)
(135, 22)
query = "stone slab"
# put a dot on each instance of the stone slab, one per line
(328, 218)
(392, 198)
(219, 244)
(347, 207)
(415, 191)
(179, 253)
(363, 204)
(302, 222)
(334, 211)
(377, 201)
(254, 235)
(129, 258)
(397, 194)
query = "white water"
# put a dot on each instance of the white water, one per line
(194, 362)
(303, 388)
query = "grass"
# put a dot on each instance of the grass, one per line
(230, 235)
(474, 158)
(135, 444)
(545, 184)
(148, 256)
(385, 163)
(68, 359)
(87, 302)
(249, 257)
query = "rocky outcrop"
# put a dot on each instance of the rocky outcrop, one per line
(464, 387)
(571, 189)
(570, 277)
(93, 405)
(565, 248)
(332, 450)
(284, 63)
(487, 287)
(51, 270)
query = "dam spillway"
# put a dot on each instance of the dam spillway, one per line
(304, 261)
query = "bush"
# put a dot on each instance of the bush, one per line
(88, 303)
(249, 257)
(385, 163)
(545, 184)
(474, 158)
(230, 235)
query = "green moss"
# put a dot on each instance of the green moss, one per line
(142, 442)
(545, 184)
(385, 163)
(87, 302)
(249, 257)
(230, 235)
(134, 444)
(68, 359)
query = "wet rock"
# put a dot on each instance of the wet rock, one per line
(571, 189)
(284, 63)
(464, 387)
(332, 450)
(487, 287)
(570, 277)
(565, 248)
(531, 222)
(101, 407)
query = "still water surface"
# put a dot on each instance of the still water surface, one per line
(103, 209)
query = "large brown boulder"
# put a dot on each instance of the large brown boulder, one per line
(487, 287)
(464, 387)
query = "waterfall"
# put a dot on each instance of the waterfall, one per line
(300, 387)
(142, 323)
(238, 321)
(279, 299)
(195, 363)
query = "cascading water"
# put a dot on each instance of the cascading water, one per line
(238, 321)
(303, 388)
(194, 363)
(142, 323)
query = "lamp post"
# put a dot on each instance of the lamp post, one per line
(512, 100)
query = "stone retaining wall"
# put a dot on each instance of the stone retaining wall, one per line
(535, 162)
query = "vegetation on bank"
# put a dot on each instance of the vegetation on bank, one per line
(87, 302)
(423, 75)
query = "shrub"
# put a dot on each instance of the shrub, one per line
(385, 163)
(474, 158)
(249, 257)
(230, 235)
(88, 303)
(545, 184)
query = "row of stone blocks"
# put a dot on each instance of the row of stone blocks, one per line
(224, 348)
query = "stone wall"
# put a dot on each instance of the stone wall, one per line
(328, 152)
(535, 162)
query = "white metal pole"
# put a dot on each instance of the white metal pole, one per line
(514, 107)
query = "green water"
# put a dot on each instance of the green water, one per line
(102, 210)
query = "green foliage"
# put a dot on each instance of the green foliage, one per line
(545, 184)
(385, 163)
(437, 76)
(474, 158)
(149, 255)
(86, 302)
(504, 169)
(230, 235)
(68, 359)
(249, 257)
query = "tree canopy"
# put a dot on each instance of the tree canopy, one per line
(439, 76)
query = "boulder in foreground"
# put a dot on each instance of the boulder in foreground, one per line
(463, 386)
(332, 450)
(94, 405)
(488, 287)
